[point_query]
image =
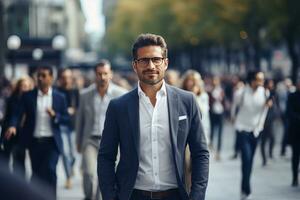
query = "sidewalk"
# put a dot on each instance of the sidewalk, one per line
(268, 183)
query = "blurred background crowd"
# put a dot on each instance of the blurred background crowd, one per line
(212, 46)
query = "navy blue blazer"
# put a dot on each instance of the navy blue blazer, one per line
(27, 108)
(122, 129)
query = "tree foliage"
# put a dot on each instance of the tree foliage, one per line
(192, 23)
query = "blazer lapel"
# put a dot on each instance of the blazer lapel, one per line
(91, 99)
(133, 114)
(54, 101)
(34, 102)
(173, 115)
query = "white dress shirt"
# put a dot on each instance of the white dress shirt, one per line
(43, 120)
(252, 109)
(100, 107)
(156, 169)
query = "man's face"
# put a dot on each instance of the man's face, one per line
(189, 83)
(103, 75)
(44, 78)
(66, 79)
(260, 79)
(150, 65)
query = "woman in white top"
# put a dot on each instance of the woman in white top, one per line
(192, 81)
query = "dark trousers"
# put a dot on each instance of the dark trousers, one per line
(44, 157)
(267, 135)
(295, 161)
(247, 147)
(12, 147)
(137, 196)
(284, 140)
(216, 127)
(236, 145)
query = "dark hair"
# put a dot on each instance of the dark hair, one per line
(101, 63)
(251, 76)
(48, 68)
(149, 39)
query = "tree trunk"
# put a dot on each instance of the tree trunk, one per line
(294, 58)
(2, 51)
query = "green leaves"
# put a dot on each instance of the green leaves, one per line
(196, 22)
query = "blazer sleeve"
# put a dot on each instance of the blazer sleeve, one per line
(61, 115)
(107, 154)
(17, 112)
(199, 154)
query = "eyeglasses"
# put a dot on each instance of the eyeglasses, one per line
(157, 61)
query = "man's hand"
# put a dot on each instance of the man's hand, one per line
(71, 111)
(51, 112)
(269, 103)
(11, 131)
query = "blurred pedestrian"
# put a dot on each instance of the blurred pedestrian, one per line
(66, 87)
(267, 135)
(293, 115)
(172, 77)
(45, 109)
(217, 101)
(252, 109)
(12, 146)
(90, 122)
(283, 90)
(192, 81)
(151, 126)
(236, 103)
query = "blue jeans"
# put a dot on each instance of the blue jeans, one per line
(247, 146)
(68, 154)
(216, 125)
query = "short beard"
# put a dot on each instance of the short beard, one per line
(152, 82)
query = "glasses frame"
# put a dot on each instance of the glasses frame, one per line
(146, 61)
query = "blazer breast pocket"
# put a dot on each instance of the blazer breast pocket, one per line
(182, 123)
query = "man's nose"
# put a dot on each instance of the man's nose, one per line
(151, 64)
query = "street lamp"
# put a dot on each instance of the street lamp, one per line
(59, 43)
(13, 44)
(37, 54)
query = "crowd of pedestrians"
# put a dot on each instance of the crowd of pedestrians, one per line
(50, 118)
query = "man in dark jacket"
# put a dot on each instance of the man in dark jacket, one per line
(293, 114)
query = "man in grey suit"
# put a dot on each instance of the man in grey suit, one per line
(90, 121)
(151, 125)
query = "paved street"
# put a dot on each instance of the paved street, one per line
(269, 183)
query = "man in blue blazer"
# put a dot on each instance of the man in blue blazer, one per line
(42, 111)
(151, 126)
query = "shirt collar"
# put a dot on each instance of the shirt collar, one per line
(109, 90)
(40, 93)
(161, 92)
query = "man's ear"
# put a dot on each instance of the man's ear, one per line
(167, 63)
(133, 66)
